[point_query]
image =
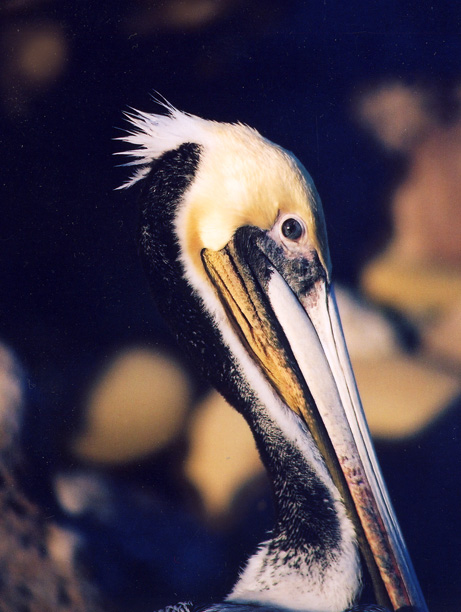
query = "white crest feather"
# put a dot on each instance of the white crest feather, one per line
(153, 135)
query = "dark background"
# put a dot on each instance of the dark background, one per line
(71, 288)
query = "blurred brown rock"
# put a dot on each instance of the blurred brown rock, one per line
(34, 53)
(38, 565)
(136, 407)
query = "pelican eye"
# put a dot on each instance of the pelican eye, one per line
(292, 229)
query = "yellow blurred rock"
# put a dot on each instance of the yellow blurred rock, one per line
(222, 455)
(421, 290)
(442, 339)
(11, 400)
(136, 408)
(419, 273)
(33, 55)
(402, 395)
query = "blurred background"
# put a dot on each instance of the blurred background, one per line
(152, 481)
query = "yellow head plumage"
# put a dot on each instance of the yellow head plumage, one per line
(242, 179)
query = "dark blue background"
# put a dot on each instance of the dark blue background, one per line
(72, 290)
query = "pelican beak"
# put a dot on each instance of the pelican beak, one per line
(291, 328)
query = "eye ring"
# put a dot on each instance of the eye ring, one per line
(292, 229)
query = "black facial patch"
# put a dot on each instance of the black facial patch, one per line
(300, 273)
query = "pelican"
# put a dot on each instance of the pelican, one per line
(234, 244)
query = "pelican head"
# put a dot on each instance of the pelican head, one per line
(234, 243)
